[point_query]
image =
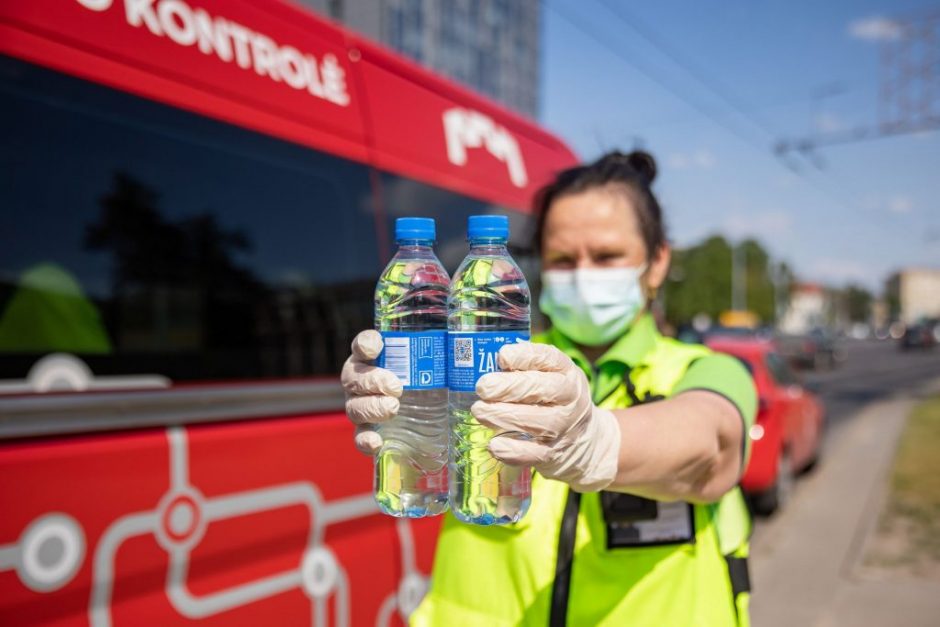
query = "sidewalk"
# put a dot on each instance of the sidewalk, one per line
(805, 562)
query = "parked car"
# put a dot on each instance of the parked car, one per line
(816, 350)
(920, 335)
(786, 438)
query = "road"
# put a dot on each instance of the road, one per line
(872, 370)
(806, 559)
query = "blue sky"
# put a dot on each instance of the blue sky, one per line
(795, 68)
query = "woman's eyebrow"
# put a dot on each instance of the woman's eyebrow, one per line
(609, 249)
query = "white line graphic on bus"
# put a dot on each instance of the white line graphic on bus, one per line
(51, 549)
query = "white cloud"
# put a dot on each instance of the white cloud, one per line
(900, 204)
(874, 28)
(701, 159)
(769, 225)
(827, 122)
(705, 159)
(677, 161)
(786, 180)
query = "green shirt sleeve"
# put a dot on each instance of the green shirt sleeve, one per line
(724, 375)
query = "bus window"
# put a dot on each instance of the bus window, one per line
(146, 239)
(407, 197)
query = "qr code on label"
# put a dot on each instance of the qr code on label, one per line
(463, 352)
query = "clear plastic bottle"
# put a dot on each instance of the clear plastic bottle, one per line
(487, 308)
(411, 315)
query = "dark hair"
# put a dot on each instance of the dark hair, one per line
(634, 172)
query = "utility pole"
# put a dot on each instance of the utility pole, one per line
(738, 278)
(908, 94)
(777, 278)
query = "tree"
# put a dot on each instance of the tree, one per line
(758, 284)
(700, 280)
(857, 303)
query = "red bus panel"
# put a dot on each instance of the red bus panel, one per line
(249, 523)
(433, 130)
(230, 60)
(263, 521)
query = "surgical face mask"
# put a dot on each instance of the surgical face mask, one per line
(593, 307)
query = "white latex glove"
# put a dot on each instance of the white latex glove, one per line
(542, 393)
(372, 393)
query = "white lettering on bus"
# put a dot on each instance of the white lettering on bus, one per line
(96, 5)
(178, 22)
(140, 12)
(334, 80)
(312, 74)
(465, 129)
(212, 35)
(230, 41)
(290, 65)
(262, 49)
(240, 37)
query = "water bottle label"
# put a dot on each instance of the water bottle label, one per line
(416, 358)
(472, 355)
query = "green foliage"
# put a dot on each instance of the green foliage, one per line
(909, 528)
(700, 280)
(857, 303)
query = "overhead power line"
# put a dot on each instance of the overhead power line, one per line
(862, 133)
(690, 67)
(617, 49)
(909, 98)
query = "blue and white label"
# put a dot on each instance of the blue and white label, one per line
(472, 355)
(416, 358)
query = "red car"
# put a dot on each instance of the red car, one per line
(787, 435)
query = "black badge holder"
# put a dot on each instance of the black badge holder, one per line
(622, 511)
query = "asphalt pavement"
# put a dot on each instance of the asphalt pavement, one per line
(806, 559)
(871, 370)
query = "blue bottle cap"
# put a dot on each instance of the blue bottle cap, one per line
(414, 228)
(496, 227)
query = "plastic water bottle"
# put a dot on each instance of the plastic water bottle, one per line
(411, 315)
(487, 308)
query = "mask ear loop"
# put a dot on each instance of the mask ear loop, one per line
(648, 292)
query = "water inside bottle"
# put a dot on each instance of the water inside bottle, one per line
(488, 293)
(411, 467)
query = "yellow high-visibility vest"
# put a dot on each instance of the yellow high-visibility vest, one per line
(506, 575)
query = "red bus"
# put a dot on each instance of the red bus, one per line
(198, 198)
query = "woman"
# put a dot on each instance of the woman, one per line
(638, 440)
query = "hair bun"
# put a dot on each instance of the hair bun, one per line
(644, 164)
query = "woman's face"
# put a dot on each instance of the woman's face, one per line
(598, 228)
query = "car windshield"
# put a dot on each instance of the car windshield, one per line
(779, 370)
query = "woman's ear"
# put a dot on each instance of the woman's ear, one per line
(658, 270)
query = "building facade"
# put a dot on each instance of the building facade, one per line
(915, 293)
(492, 46)
(809, 308)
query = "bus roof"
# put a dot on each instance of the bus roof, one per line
(275, 68)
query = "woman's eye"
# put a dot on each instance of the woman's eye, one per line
(608, 258)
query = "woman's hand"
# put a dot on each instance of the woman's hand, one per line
(372, 393)
(543, 394)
